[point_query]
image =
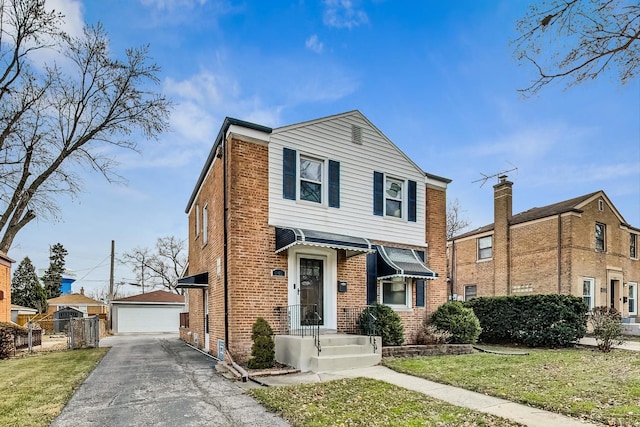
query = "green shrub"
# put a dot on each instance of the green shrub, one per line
(607, 327)
(533, 320)
(387, 324)
(459, 321)
(263, 346)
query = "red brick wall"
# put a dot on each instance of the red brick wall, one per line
(5, 289)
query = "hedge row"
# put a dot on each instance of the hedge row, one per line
(534, 320)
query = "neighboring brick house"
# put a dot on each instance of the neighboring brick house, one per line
(326, 212)
(582, 246)
(5, 287)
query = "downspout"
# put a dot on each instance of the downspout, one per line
(225, 242)
(559, 255)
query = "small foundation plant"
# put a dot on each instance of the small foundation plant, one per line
(607, 327)
(263, 348)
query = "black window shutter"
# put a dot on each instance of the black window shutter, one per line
(289, 174)
(334, 184)
(420, 293)
(372, 278)
(378, 196)
(411, 202)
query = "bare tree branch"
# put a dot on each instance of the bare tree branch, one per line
(55, 118)
(578, 40)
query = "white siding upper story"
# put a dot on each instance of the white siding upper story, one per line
(331, 139)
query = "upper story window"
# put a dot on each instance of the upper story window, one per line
(393, 197)
(197, 230)
(600, 205)
(311, 179)
(633, 245)
(485, 247)
(600, 237)
(205, 224)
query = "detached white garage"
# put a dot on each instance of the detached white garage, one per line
(157, 311)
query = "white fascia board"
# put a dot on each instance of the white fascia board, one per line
(252, 135)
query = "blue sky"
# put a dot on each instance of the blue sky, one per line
(438, 78)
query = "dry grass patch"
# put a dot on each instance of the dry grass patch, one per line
(366, 402)
(588, 384)
(34, 389)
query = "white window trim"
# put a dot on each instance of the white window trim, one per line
(408, 293)
(324, 182)
(205, 224)
(592, 291)
(478, 248)
(634, 286)
(403, 199)
(197, 220)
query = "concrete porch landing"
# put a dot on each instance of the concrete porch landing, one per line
(338, 352)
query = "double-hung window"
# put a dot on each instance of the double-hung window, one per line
(197, 230)
(485, 247)
(395, 197)
(205, 224)
(588, 289)
(311, 179)
(470, 292)
(633, 299)
(393, 192)
(395, 292)
(600, 237)
(633, 245)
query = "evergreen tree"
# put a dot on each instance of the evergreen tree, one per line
(52, 279)
(26, 289)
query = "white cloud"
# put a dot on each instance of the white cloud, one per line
(343, 14)
(72, 11)
(173, 4)
(314, 44)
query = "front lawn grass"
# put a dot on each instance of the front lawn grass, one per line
(582, 383)
(34, 389)
(366, 402)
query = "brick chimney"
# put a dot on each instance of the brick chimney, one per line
(81, 290)
(502, 201)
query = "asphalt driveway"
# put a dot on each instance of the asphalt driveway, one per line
(157, 380)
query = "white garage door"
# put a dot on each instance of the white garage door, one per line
(147, 318)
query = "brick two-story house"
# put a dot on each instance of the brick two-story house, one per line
(5, 287)
(582, 246)
(327, 213)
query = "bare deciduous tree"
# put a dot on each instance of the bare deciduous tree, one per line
(578, 40)
(160, 266)
(57, 116)
(455, 220)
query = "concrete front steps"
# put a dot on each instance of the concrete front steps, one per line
(338, 352)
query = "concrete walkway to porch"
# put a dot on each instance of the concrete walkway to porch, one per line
(627, 345)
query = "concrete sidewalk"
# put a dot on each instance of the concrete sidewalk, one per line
(627, 345)
(469, 399)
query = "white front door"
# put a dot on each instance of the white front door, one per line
(312, 286)
(311, 289)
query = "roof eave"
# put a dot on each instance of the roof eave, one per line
(228, 121)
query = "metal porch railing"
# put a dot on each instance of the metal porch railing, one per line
(300, 320)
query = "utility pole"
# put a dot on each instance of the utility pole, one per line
(113, 255)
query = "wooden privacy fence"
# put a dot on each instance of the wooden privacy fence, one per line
(84, 332)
